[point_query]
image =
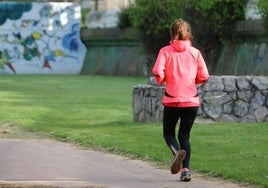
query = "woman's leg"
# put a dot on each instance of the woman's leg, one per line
(170, 119)
(187, 116)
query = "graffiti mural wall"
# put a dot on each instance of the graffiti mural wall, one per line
(40, 38)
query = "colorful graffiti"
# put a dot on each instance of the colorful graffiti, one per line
(40, 38)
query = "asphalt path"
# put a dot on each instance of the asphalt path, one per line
(47, 163)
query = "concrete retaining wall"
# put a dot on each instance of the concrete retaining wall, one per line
(113, 52)
(40, 38)
(224, 99)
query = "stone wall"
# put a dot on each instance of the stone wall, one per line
(224, 99)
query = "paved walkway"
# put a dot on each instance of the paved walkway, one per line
(45, 163)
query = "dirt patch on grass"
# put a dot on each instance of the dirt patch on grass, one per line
(5, 131)
(10, 131)
(5, 134)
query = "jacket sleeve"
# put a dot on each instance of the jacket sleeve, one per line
(202, 71)
(159, 68)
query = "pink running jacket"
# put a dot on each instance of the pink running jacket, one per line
(181, 67)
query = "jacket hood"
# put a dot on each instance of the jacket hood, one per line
(180, 45)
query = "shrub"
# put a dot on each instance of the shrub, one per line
(263, 7)
(125, 17)
(153, 18)
(212, 22)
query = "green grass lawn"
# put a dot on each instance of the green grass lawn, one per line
(96, 112)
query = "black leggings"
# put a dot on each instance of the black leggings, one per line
(171, 116)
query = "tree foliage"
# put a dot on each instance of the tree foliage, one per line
(220, 15)
(213, 24)
(212, 21)
(153, 18)
(263, 7)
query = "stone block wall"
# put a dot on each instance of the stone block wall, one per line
(224, 99)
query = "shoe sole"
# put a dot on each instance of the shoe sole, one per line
(177, 163)
(186, 178)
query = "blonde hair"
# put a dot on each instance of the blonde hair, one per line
(180, 30)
